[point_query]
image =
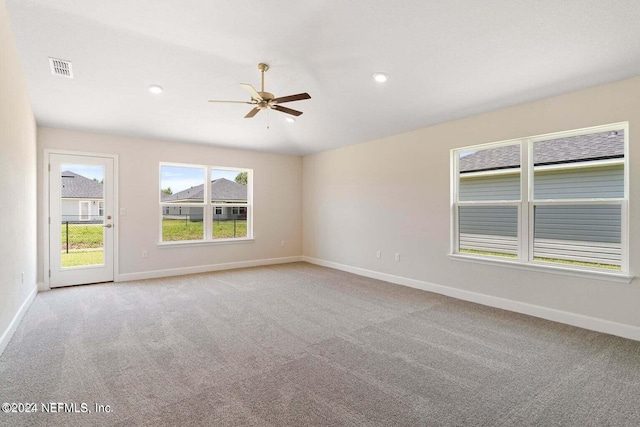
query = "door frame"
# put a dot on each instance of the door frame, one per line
(46, 213)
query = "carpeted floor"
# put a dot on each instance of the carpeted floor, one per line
(301, 345)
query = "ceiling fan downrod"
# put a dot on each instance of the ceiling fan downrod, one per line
(263, 68)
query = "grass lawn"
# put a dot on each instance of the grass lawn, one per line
(225, 229)
(477, 252)
(553, 260)
(82, 236)
(76, 259)
(178, 229)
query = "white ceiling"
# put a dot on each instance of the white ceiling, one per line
(447, 59)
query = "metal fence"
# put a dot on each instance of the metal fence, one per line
(81, 232)
(191, 227)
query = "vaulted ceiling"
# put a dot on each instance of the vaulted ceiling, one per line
(446, 60)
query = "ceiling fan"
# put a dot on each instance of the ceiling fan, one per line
(263, 100)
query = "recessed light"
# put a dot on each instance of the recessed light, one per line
(380, 77)
(290, 119)
(156, 89)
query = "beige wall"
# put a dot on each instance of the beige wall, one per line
(277, 200)
(17, 185)
(393, 195)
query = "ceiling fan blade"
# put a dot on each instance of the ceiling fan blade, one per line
(252, 113)
(287, 110)
(254, 93)
(298, 97)
(232, 102)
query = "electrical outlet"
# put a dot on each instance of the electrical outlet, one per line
(397, 256)
(282, 243)
(144, 254)
(378, 254)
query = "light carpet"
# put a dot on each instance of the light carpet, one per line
(302, 345)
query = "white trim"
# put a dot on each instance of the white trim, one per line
(580, 131)
(573, 319)
(539, 266)
(490, 173)
(13, 325)
(208, 207)
(153, 274)
(527, 202)
(182, 243)
(596, 164)
(45, 285)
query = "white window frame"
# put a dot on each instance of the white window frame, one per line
(84, 216)
(527, 204)
(208, 207)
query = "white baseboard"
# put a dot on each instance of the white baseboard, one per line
(573, 319)
(154, 274)
(11, 329)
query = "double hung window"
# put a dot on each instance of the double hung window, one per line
(558, 199)
(197, 203)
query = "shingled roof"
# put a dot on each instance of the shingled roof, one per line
(222, 190)
(76, 186)
(582, 148)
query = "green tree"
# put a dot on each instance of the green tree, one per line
(167, 191)
(242, 178)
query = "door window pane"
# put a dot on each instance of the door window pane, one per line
(82, 231)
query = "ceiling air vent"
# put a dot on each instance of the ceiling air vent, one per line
(60, 67)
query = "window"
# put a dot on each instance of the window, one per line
(230, 195)
(197, 203)
(85, 208)
(557, 199)
(100, 208)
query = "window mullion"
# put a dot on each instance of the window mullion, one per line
(581, 204)
(524, 235)
(207, 216)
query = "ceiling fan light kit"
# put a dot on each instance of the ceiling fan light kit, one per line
(263, 99)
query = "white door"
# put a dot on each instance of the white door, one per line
(81, 236)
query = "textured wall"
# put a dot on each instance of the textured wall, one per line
(17, 182)
(277, 200)
(393, 195)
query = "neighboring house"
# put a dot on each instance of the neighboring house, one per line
(588, 166)
(82, 199)
(223, 191)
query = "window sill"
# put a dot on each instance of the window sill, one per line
(188, 243)
(546, 268)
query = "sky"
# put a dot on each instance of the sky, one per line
(88, 171)
(180, 177)
(177, 177)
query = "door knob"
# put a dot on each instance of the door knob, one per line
(107, 225)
